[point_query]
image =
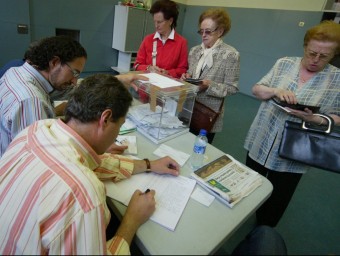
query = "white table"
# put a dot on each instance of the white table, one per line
(201, 229)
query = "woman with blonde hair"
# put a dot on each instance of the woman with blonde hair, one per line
(309, 80)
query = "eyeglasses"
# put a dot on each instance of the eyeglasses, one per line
(312, 54)
(206, 31)
(75, 73)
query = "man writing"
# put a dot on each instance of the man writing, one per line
(51, 200)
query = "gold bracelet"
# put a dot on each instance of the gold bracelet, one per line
(148, 165)
(321, 121)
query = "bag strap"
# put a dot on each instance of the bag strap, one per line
(154, 52)
(329, 128)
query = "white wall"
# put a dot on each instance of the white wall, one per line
(298, 5)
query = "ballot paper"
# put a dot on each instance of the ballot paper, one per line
(172, 194)
(160, 81)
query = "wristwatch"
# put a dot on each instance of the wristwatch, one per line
(148, 165)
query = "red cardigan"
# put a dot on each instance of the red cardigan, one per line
(172, 56)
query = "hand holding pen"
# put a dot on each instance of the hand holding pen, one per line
(140, 208)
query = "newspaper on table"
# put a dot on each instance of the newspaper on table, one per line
(227, 179)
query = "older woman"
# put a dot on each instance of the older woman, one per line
(165, 51)
(309, 80)
(216, 63)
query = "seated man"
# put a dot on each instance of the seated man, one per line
(53, 63)
(51, 200)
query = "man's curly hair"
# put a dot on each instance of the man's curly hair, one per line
(64, 47)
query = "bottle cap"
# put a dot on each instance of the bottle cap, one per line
(203, 132)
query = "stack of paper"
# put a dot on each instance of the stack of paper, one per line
(130, 141)
(157, 126)
(127, 127)
(160, 81)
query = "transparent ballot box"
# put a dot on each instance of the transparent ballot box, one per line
(162, 107)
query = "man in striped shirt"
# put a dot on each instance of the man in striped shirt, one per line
(53, 64)
(51, 198)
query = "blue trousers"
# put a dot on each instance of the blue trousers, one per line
(263, 240)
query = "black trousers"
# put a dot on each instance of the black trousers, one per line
(284, 185)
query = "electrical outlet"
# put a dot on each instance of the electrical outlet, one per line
(22, 29)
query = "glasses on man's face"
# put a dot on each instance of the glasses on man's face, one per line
(208, 32)
(323, 57)
(75, 73)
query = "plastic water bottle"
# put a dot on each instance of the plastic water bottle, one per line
(197, 157)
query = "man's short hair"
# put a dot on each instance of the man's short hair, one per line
(43, 51)
(95, 94)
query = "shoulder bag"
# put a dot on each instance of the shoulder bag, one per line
(315, 146)
(203, 117)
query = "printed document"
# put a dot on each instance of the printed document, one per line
(172, 194)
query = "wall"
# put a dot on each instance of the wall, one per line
(302, 5)
(12, 44)
(260, 35)
(94, 19)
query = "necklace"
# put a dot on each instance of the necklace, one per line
(303, 77)
(303, 80)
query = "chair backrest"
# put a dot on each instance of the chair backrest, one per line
(10, 64)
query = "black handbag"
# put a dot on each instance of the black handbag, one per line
(312, 145)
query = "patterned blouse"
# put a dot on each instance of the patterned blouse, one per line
(264, 137)
(224, 75)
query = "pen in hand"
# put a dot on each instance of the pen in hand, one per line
(171, 166)
(147, 191)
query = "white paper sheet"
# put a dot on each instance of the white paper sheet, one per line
(130, 141)
(179, 156)
(172, 194)
(160, 81)
(202, 197)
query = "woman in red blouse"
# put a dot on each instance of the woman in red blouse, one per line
(165, 51)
